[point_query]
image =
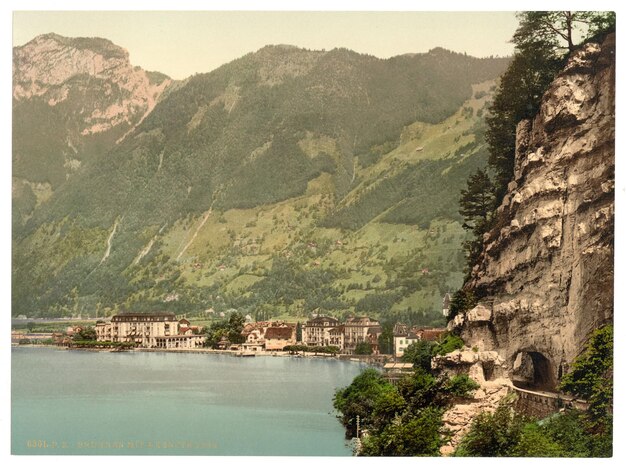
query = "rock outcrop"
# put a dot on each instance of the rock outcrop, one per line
(73, 100)
(545, 278)
(52, 66)
(487, 369)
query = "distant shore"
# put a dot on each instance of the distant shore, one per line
(209, 351)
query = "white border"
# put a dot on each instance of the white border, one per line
(158, 463)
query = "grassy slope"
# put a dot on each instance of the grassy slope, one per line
(234, 248)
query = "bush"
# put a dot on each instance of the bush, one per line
(420, 354)
(361, 398)
(461, 386)
(419, 435)
(363, 348)
(462, 301)
(534, 441)
(449, 343)
(492, 434)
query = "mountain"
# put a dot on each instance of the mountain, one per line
(73, 98)
(283, 182)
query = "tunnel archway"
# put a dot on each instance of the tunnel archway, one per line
(532, 370)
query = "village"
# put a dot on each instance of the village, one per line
(163, 331)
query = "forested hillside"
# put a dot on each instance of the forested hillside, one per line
(284, 182)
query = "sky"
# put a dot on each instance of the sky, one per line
(181, 43)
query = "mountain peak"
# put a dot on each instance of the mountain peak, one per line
(101, 46)
(90, 80)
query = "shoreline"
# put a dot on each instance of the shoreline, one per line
(209, 351)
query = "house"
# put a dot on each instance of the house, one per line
(316, 332)
(277, 338)
(431, 335)
(361, 330)
(401, 342)
(403, 337)
(336, 337)
(256, 335)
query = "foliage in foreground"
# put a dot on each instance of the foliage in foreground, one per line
(421, 352)
(402, 420)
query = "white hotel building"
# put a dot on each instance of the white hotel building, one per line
(149, 330)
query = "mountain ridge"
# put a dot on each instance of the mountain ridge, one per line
(270, 143)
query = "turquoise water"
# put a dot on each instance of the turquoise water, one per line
(140, 403)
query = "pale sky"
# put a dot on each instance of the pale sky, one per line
(180, 44)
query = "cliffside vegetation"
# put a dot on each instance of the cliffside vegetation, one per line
(543, 43)
(403, 419)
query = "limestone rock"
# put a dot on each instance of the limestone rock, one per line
(547, 270)
(480, 313)
(488, 370)
(50, 65)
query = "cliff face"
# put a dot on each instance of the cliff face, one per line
(50, 65)
(545, 278)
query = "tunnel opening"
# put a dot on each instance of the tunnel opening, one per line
(533, 371)
(488, 371)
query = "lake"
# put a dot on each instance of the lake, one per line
(150, 403)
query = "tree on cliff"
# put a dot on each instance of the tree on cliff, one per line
(559, 29)
(518, 97)
(477, 201)
(476, 206)
(542, 41)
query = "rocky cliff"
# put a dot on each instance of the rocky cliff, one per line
(50, 65)
(545, 278)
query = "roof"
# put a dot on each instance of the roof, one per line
(361, 321)
(144, 316)
(400, 330)
(433, 334)
(278, 333)
(321, 321)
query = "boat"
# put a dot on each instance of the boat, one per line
(246, 354)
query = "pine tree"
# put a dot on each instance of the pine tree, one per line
(477, 201)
